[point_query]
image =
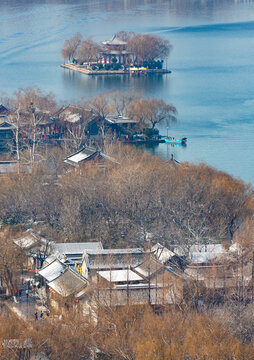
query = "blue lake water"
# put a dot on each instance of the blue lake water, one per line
(212, 63)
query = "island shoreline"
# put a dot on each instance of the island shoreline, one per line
(78, 68)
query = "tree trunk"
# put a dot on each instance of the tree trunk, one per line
(17, 127)
(17, 144)
(10, 285)
(34, 139)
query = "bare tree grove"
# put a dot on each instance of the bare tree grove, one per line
(184, 205)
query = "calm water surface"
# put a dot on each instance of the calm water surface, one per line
(212, 63)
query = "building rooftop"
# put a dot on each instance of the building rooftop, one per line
(4, 125)
(204, 253)
(200, 253)
(87, 153)
(76, 248)
(81, 155)
(53, 270)
(114, 258)
(115, 251)
(149, 267)
(70, 113)
(27, 240)
(120, 275)
(120, 120)
(162, 253)
(4, 110)
(114, 41)
(49, 259)
(68, 283)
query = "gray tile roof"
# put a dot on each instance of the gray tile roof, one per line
(81, 155)
(53, 270)
(115, 251)
(118, 276)
(68, 283)
(86, 154)
(114, 41)
(149, 267)
(76, 248)
(4, 125)
(114, 258)
(4, 110)
(162, 253)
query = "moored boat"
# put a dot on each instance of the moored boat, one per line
(172, 140)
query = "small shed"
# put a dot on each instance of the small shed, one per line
(89, 156)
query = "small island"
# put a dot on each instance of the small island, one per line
(125, 53)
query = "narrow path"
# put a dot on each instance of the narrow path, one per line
(22, 306)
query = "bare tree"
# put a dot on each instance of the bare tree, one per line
(118, 102)
(37, 108)
(151, 111)
(125, 35)
(12, 260)
(88, 51)
(30, 108)
(15, 119)
(70, 47)
(148, 47)
(99, 107)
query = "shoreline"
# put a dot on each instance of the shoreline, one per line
(148, 141)
(78, 68)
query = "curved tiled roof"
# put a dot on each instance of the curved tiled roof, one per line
(114, 41)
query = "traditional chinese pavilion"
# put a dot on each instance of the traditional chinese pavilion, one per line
(115, 48)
